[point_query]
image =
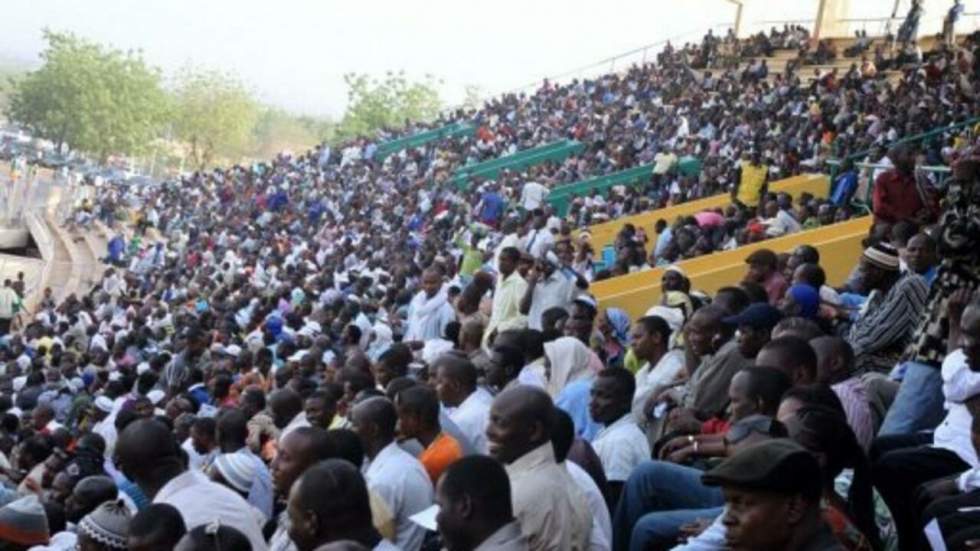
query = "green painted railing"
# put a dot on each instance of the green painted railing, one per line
(555, 151)
(916, 138)
(864, 203)
(455, 130)
(561, 197)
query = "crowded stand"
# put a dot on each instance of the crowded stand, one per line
(335, 350)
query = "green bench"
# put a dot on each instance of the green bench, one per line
(556, 152)
(455, 130)
(561, 197)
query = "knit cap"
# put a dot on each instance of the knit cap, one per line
(238, 469)
(23, 522)
(108, 524)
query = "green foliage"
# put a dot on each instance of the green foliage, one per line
(95, 99)
(214, 114)
(277, 130)
(387, 104)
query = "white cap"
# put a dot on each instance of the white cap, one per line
(103, 404)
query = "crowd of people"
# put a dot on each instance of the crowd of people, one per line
(283, 357)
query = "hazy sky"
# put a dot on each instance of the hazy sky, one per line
(295, 52)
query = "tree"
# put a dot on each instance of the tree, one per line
(387, 104)
(277, 130)
(474, 95)
(95, 99)
(214, 113)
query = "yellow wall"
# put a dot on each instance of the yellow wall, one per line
(605, 233)
(839, 246)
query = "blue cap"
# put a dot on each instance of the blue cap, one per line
(758, 315)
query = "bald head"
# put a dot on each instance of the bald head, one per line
(835, 359)
(521, 420)
(284, 404)
(144, 447)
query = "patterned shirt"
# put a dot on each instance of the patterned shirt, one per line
(885, 328)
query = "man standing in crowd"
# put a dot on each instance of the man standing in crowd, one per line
(395, 475)
(468, 404)
(547, 287)
(897, 195)
(430, 311)
(8, 306)
(507, 295)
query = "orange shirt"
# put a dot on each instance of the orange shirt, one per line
(441, 453)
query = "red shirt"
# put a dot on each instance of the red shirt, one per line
(896, 198)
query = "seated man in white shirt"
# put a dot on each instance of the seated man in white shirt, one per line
(467, 404)
(620, 445)
(149, 456)
(392, 473)
(898, 471)
(551, 509)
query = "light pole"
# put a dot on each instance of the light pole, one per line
(738, 16)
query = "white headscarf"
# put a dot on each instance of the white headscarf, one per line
(569, 360)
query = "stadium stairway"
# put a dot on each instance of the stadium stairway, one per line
(84, 270)
(604, 234)
(840, 246)
(57, 258)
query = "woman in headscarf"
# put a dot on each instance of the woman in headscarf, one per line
(566, 360)
(614, 325)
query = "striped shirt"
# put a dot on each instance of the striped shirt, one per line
(880, 334)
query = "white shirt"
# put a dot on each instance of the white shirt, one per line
(62, 541)
(621, 446)
(555, 290)
(959, 384)
(403, 484)
(201, 501)
(8, 297)
(533, 195)
(299, 420)
(601, 537)
(650, 381)
(428, 316)
(472, 416)
(196, 461)
(539, 241)
(551, 509)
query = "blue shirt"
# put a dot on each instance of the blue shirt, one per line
(844, 187)
(493, 207)
(574, 399)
